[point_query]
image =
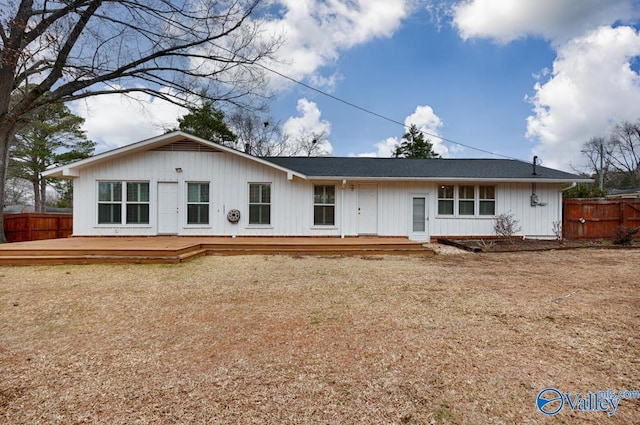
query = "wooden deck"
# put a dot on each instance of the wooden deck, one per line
(176, 249)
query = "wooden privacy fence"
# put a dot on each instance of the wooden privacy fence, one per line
(598, 218)
(35, 226)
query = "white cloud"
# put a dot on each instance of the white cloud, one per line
(384, 149)
(116, 120)
(427, 121)
(591, 87)
(316, 31)
(309, 122)
(557, 20)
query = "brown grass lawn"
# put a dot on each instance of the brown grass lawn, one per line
(462, 339)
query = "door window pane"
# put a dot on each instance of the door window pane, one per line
(419, 216)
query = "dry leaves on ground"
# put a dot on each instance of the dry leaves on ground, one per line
(462, 339)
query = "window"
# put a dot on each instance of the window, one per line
(487, 200)
(419, 214)
(324, 205)
(445, 200)
(466, 200)
(109, 202)
(112, 205)
(259, 203)
(197, 203)
(137, 203)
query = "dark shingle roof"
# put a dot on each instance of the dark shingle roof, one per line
(498, 169)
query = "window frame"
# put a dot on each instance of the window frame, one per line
(449, 201)
(199, 203)
(324, 206)
(464, 199)
(138, 203)
(486, 201)
(116, 204)
(120, 202)
(261, 205)
(479, 202)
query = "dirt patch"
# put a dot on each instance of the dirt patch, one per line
(447, 339)
(519, 244)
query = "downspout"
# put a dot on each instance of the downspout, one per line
(344, 184)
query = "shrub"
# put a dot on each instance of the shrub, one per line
(623, 235)
(557, 229)
(506, 226)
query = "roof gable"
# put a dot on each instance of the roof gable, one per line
(176, 141)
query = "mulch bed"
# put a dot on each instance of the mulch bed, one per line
(518, 244)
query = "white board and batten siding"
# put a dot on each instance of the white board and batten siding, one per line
(383, 208)
(228, 176)
(395, 210)
(511, 198)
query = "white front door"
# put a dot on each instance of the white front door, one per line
(419, 217)
(168, 208)
(367, 209)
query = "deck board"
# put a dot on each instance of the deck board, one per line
(175, 249)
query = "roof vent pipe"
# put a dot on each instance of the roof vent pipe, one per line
(535, 162)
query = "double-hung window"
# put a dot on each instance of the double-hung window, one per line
(466, 200)
(487, 200)
(109, 203)
(118, 200)
(324, 205)
(137, 203)
(260, 203)
(197, 203)
(445, 199)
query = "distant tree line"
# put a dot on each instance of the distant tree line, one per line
(613, 161)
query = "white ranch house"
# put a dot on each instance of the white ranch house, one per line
(178, 184)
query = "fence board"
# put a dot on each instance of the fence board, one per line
(36, 226)
(598, 218)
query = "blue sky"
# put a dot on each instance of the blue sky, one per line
(515, 78)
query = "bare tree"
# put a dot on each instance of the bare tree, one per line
(598, 152)
(18, 192)
(309, 144)
(258, 134)
(625, 150)
(64, 50)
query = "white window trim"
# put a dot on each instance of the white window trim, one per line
(334, 205)
(188, 225)
(249, 203)
(476, 202)
(126, 203)
(123, 205)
